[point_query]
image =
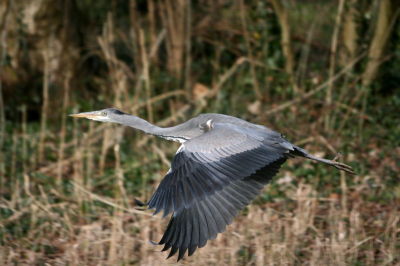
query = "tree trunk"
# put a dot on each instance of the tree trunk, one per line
(388, 11)
(349, 33)
(283, 18)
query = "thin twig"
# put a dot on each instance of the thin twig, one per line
(162, 155)
(108, 201)
(249, 50)
(328, 99)
(358, 244)
(152, 20)
(134, 19)
(62, 131)
(120, 189)
(305, 53)
(24, 139)
(307, 95)
(4, 24)
(226, 76)
(156, 45)
(43, 121)
(104, 149)
(13, 175)
(89, 157)
(146, 74)
(283, 17)
(188, 46)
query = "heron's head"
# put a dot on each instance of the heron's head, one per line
(105, 115)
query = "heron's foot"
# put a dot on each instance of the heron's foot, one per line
(334, 162)
(342, 166)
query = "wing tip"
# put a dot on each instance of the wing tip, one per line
(182, 250)
(174, 249)
(191, 250)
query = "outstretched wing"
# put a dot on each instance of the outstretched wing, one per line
(212, 177)
(193, 227)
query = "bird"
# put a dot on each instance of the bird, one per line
(222, 165)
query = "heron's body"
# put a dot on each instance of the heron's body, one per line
(221, 166)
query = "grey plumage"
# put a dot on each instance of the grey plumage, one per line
(222, 165)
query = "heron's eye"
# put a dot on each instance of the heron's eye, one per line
(104, 113)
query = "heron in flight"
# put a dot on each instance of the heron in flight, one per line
(221, 166)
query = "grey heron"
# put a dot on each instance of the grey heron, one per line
(221, 166)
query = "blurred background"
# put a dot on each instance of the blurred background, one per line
(324, 73)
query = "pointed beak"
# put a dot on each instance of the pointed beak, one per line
(87, 115)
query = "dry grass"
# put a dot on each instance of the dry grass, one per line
(303, 228)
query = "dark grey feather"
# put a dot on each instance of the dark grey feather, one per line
(210, 216)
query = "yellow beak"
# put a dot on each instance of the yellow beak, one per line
(87, 115)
